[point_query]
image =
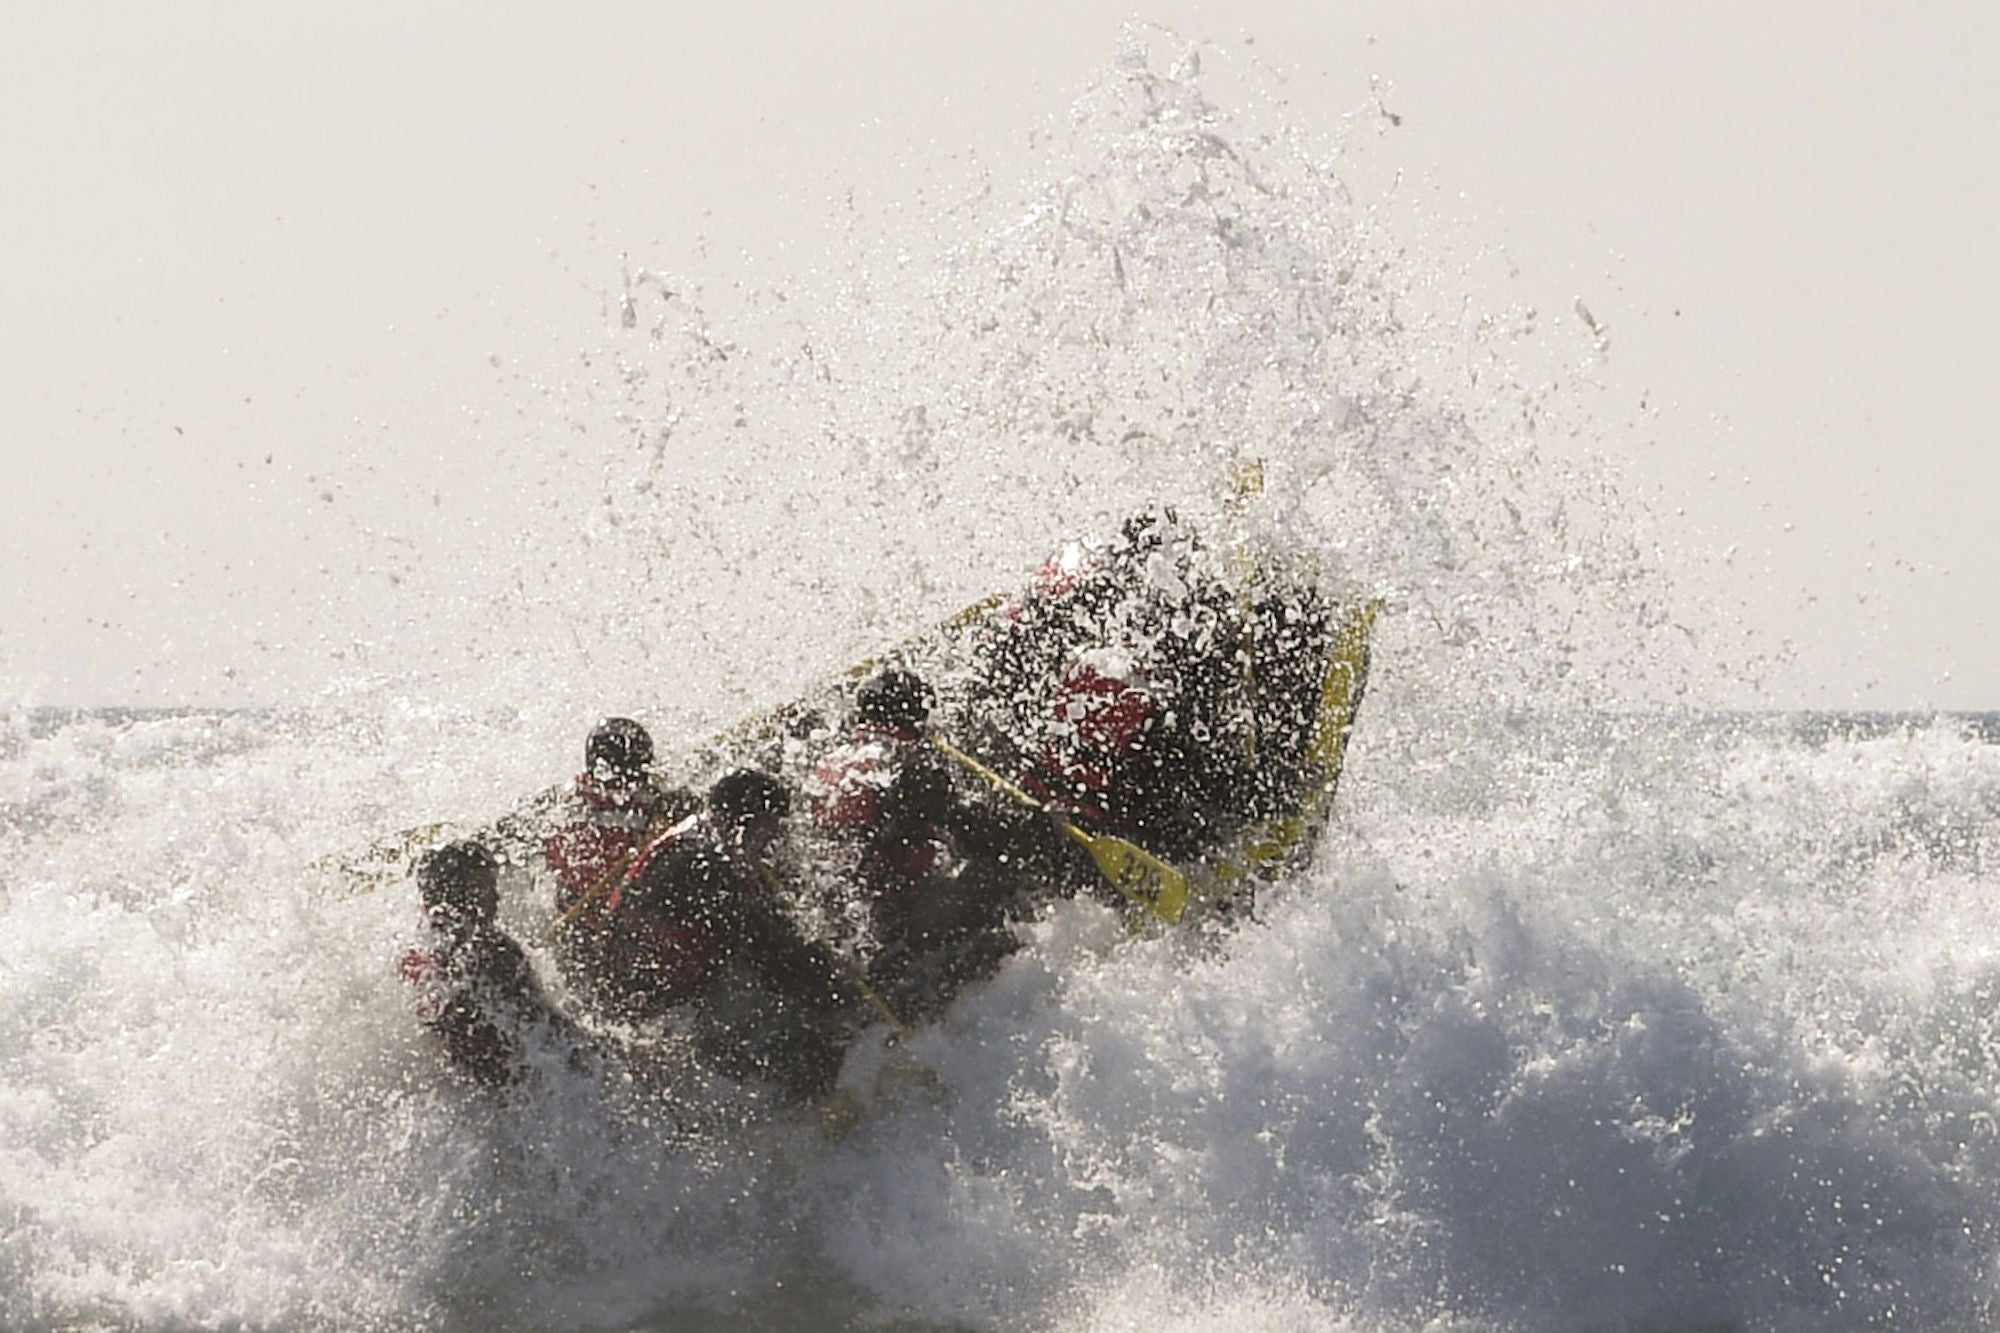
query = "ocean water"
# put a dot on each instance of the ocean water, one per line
(1616, 998)
(1595, 1022)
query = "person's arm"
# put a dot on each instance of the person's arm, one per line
(802, 971)
(475, 1043)
(497, 999)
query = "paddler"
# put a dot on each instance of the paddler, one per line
(1115, 669)
(475, 988)
(610, 811)
(697, 924)
(932, 864)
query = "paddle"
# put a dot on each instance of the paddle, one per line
(1131, 869)
(611, 878)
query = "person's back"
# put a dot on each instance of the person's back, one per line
(631, 965)
(676, 919)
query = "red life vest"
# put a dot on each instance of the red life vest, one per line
(1064, 570)
(1103, 703)
(846, 795)
(423, 970)
(846, 788)
(605, 829)
(426, 969)
(1058, 576)
(1100, 709)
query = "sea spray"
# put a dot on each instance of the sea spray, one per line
(832, 454)
(1585, 1018)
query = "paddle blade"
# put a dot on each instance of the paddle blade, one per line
(1136, 873)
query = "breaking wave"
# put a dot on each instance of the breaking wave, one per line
(1592, 1013)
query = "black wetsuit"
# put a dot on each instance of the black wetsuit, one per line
(769, 1005)
(480, 995)
(933, 866)
(1175, 783)
(939, 929)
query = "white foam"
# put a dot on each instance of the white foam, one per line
(1582, 1019)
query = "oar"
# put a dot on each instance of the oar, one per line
(1131, 869)
(612, 877)
(859, 981)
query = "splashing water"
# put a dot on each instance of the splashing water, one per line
(1587, 1016)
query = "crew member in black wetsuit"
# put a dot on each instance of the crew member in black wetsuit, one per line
(932, 864)
(474, 986)
(702, 912)
(1114, 673)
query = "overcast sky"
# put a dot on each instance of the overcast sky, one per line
(254, 252)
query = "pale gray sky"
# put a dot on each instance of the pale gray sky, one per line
(263, 260)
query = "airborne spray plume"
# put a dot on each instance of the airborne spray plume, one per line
(975, 376)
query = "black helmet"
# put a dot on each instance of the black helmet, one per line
(461, 879)
(894, 698)
(748, 796)
(618, 749)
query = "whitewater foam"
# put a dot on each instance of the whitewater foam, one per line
(1692, 1024)
(1585, 1017)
